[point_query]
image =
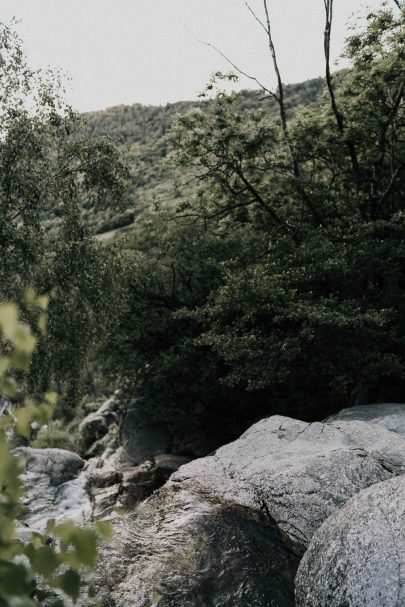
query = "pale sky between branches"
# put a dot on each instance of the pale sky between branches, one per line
(148, 51)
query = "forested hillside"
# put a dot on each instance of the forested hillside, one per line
(143, 133)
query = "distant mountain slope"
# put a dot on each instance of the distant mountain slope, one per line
(142, 130)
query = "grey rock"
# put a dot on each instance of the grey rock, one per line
(140, 482)
(104, 500)
(96, 425)
(231, 528)
(5, 406)
(55, 486)
(103, 477)
(128, 486)
(389, 415)
(58, 465)
(194, 550)
(357, 558)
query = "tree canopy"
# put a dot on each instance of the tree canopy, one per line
(278, 286)
(47, 166)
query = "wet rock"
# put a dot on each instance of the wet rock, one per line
(232, 552)
(96, 425)
(26, 534)
(140, 482)
(357, 558)
(230, 529)
(55, 486)
(389, 415)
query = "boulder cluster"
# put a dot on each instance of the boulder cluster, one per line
(291, 513)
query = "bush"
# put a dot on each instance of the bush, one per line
(54, 438)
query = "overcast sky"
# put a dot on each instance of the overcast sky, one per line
(147, 51)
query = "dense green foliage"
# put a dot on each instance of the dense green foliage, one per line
(34, 570)
(143, 134)
(48, 167)
(278, 285)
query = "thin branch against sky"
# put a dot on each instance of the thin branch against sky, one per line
(147, 51)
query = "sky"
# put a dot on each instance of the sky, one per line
(150, 51)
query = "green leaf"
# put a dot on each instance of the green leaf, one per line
(15, 580)
(42, 323)
(21, 360)
(4, 364)
(8, 319)
(8, 387)
(69, 582)
(85, 542)
(51, 398)
(105, 529)
(23, 339)
(44, 560)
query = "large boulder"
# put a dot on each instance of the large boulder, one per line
(389, 415)
(357, 558)
(55, 487)
(231, 528)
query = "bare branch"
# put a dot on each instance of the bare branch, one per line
(238, 69)
(280, 87)
(387, 123)
(391, 184)
(259, 21)
(280, 99)
(338, 116)
(305, 198)
(260, 200)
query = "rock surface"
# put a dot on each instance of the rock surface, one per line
(389, 415)
(5, 406)
(96, 425)
(357, 558)
(230, 529)
(55, 487)
(113, 485)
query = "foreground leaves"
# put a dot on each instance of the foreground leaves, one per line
(63, 559)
